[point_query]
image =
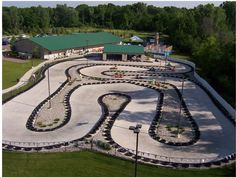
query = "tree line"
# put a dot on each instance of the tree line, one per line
(206, 32)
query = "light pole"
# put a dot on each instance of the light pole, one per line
(87, 44)
(165, 65)
(165, 58)
(32, 63)
(180, 106)
(136, 130)
(49, 106)
(87, 50)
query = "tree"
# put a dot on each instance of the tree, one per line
(65, 16)
(229, 8)
(36, 52)
(11, 19)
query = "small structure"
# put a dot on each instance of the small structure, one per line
(5, 41)
(158, 48)
(25, 55)
(122, 52)
(136, 39)
(157, 37)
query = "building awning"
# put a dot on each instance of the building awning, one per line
(123, 49)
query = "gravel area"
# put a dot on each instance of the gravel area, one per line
(113, 102)
(170, 118)
(53, 114)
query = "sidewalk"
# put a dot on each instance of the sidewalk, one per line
(25, 78)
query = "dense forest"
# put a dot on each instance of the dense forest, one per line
(206, 33)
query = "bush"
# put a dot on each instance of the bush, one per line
(103, 145)
(39, 123)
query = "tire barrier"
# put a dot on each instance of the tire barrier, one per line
(212, 98)
(126, 152)
(32, 117)
(9, 147)
(157, 117)
(66, 102)
(41, 77)
(110, 122)
(156, 121)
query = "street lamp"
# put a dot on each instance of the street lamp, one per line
(32, 63)
(87, 50)
(87, 44)
(49, 90)
(165, 64)
(180, 105)
(136, 130)
(165, 58)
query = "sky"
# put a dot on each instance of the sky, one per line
(186, 4)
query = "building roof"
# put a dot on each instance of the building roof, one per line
(123, 49)
(78, 40)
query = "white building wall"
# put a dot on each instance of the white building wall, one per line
(96, 49)
(104, 56)
(54, 56)
(124, 57)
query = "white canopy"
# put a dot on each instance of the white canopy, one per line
(136, 39)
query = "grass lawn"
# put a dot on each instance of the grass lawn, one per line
(11, 71)
(180, 56)
(91, 164)
(126, 34)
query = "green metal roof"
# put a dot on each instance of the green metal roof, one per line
(123, 49)
(75, 40)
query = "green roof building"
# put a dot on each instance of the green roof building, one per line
(124, 52)
(79, 40)
(123, 49)
(52, 47)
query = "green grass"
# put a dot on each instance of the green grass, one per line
(11, 71)
(180, 56)
(91, 164)
(126, 34)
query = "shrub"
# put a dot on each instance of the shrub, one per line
(39, 123)
(103, 145)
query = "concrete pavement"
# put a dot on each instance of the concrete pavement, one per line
(217, 133)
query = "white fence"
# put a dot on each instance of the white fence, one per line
(114, 151)
(226, 105)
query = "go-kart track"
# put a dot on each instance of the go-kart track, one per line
(77, 113)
